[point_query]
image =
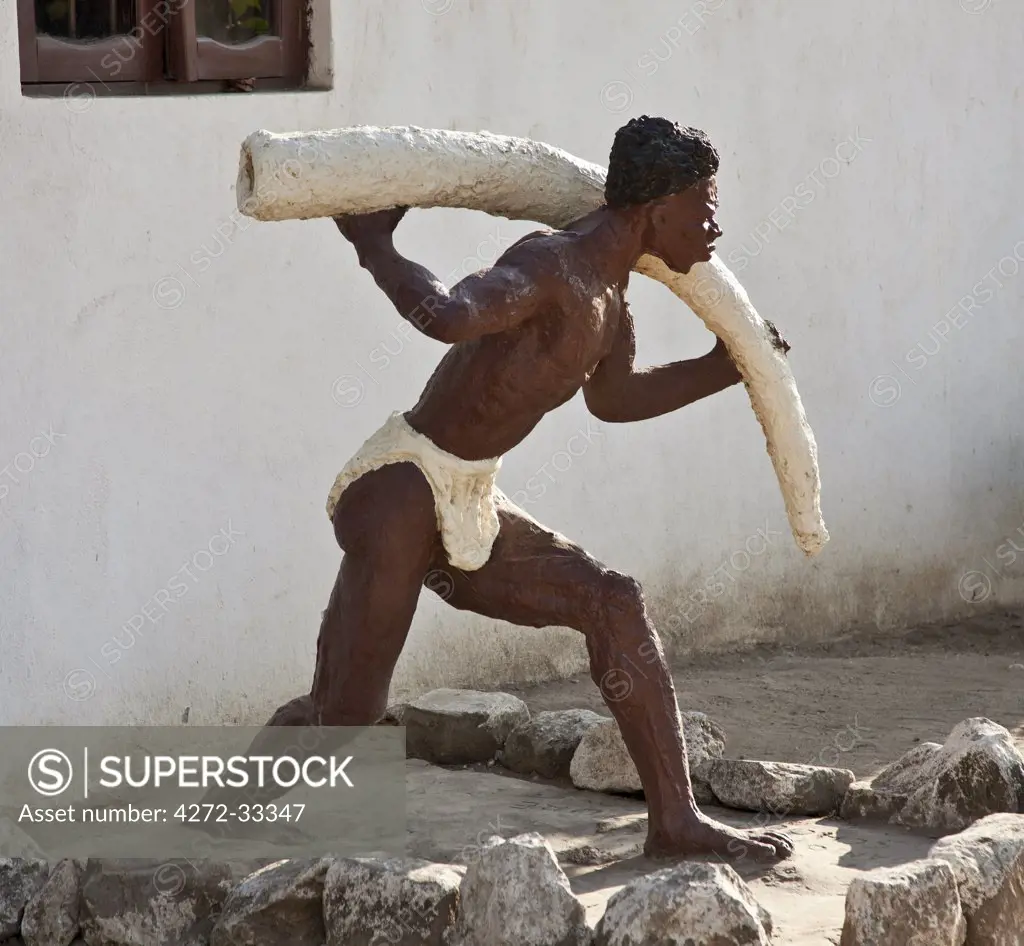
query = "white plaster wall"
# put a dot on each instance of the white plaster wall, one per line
(169, 423)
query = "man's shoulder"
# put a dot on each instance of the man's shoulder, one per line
(546, 252)
(538, 259)
(536, 240)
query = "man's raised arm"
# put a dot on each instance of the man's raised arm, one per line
(481, 304)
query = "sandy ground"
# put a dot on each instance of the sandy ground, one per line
(856, 704)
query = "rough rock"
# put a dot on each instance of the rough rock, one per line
(128, 903)
(977, 772)
(602, 762)
(885, 796)
(782, 788)
(702, 793)
(404, 902)
(915, 904)
(988, 862)
(394, 715)
(546, 743)
(515, 894)
(689, 905)
(51, 916)
(705, 742)
(279, 905)
(902, 776)
(863, 803)
(457, 727)
(20, 880)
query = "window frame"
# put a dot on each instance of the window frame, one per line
(281, 55)
(164, 53)
(51, 59)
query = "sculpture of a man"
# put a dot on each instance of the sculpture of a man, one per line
(548, 319)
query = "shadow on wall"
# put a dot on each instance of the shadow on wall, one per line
(881, 597)
(715, 611)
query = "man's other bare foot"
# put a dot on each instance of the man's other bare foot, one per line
(704, 836)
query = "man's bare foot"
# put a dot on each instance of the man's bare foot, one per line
(704, 836)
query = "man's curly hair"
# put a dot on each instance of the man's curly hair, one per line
(652, 158)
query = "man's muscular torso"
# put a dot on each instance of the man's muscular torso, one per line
(518, 375)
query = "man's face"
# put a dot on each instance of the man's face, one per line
(683, 226)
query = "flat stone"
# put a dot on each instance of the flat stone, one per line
(690, 905)
(863, 803)
(602, 762)
(977, 772)
(279, 905)
(515, 894)
(545, 744)
(458, 727)
(988, 862)
(51, 916)
(403, 902)
(20, 881)
(781, 788)
(915, 904)
(127, 903)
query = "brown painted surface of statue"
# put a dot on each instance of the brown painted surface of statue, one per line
(547, 320)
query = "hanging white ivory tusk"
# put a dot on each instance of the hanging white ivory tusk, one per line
(303, 175)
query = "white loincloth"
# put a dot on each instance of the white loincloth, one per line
(464, 490)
